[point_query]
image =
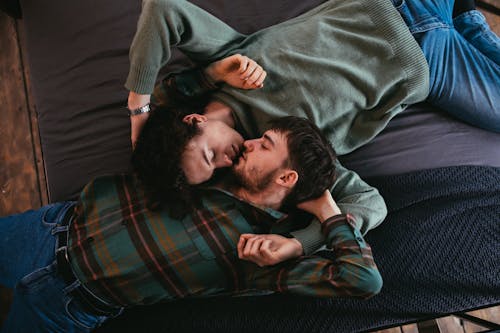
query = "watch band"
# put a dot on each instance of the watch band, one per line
(143, 109)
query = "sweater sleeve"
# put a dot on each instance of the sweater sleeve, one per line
(348, 271)
(167, 23)
(353, 196)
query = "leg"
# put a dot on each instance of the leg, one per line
(26, 242)
(42, 303)
(42, 300)
(473, 27)
(464, 81)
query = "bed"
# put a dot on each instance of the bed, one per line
(438, 250)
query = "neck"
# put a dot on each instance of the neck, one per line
(216, 110)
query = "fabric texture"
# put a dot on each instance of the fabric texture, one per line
(424, 137)
(84, 127)
(42, 300)
(437, 252)
(129, 255)
(464, 62)
(318, 54)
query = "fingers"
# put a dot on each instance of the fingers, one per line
(257, 249)
(243, 62)
(252, 73)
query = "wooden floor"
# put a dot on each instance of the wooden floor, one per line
(22, 178)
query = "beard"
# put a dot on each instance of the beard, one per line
(252, 181)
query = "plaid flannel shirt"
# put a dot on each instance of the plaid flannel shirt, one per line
(129, 255)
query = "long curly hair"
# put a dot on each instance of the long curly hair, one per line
(157, 160)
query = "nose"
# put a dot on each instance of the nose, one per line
(249, 144)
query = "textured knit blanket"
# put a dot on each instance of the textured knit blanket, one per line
(438, 252)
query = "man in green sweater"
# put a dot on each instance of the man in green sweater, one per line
(347, 66)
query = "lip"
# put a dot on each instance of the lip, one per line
(234, 151)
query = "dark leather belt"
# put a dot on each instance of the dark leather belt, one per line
(89, 301)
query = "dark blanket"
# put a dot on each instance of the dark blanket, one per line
(438, 252)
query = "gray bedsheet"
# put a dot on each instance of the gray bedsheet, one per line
(78, 58)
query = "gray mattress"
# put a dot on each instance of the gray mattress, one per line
(78, 58)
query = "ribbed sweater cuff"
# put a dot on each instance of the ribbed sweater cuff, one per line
(310, 237)
(141, 80)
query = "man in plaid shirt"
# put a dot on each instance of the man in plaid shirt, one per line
(116, 248)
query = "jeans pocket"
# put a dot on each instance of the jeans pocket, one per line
(80, 316)
(36, 280)
(49, 216)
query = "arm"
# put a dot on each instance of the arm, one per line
(175, 23)
(352, 271)
(164, 24)
(351, 195)
(190, 86)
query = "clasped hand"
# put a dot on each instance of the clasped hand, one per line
(267, 250)
(238, 71)
(270, 249)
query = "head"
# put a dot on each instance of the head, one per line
(294, 155)
(216, 145)
(177, 149)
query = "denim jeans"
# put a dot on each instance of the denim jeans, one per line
(463, 56)
(42, 301)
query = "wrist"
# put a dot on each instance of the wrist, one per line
(143, 109)
(211, 74)
(298, 249)
(328, 212)
(136, 101)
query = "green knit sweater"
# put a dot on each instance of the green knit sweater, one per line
(349, 66)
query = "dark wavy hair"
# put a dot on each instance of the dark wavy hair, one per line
(311, 154)
(157, 159)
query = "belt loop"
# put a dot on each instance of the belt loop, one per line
(59, 228)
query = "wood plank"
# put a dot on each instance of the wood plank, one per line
(411, 328)
(492, 19)
(389, 330)
(35, 133)
(491, 314)
(18, 173)
(450, 324)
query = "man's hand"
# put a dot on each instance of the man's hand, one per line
(322, 207)
(267, 250)
(238, 71)
(137, 122)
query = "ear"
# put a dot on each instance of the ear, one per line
(194, 118)
(287, 178)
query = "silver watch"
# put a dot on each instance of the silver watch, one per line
(143, 109)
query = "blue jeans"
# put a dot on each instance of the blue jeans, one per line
(463, 56)
(42, 301)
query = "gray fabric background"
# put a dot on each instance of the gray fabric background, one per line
(78, 58)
